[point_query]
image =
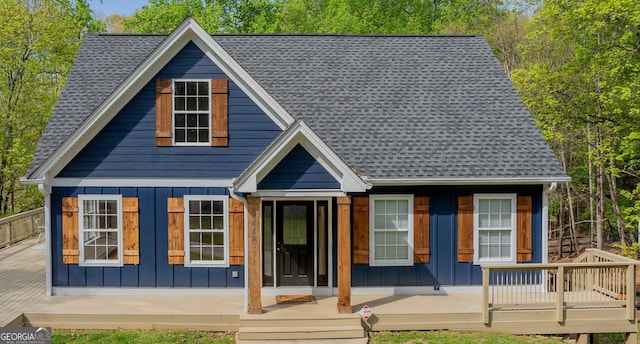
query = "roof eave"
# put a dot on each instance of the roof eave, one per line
(466, 181)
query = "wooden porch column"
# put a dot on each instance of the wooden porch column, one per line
(344, 255)
(255, 301)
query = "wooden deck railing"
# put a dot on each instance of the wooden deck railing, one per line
(596, 279)
(19, 227)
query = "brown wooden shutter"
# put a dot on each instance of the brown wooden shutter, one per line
(361, 230)
(175, 208)
(465, 229)
(70, 253)
(236, 232)
(523, 225)
(130, 231)
(219, 113)
(421, 250)
(164, 112)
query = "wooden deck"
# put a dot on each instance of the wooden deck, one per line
(22, 296)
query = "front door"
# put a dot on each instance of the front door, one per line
(294, 243)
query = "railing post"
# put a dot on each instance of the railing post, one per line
(631, 291)
(485, 294)
(560, 294)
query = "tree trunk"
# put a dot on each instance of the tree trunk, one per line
(613, 189)
(600, 199)
(591, 181)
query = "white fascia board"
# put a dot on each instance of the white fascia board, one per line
(188, 31)
(302, 193)
(464, 181)
(299, 133)
(141, 182)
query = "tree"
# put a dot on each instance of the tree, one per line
(581, 83)
(38, 41)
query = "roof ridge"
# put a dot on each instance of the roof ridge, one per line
(364, 35)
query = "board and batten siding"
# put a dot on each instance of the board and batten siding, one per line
(126, 147)
(443, 267)
(298, 170)
(153, 269)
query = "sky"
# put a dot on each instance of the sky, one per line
(103, 8)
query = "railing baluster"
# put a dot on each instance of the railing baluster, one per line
(560, 294)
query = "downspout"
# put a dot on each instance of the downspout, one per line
(45, 190)
(246, 245)
(545, 220)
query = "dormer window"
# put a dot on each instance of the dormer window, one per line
(192, 112)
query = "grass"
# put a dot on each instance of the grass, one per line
(139, 336)
(443, 337)
(402, 337)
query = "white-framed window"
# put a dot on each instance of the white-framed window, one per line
(494, 228)
(100, 230)
(206, 231)
(391, 230)
(191, 112)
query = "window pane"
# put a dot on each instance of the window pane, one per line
(179, 88)
(192, 104)
(218, 254)
(192, 135)
(180, 135)
(192, 88)
(218, 238)
(205, 222)
(505, 206)
(379, 221)
(194, 222)
(203, 135)
(205, 207)
(203, 121)
(179, 104)
(192, 121)
(203, 88)
(218, 222)
(218, 207)
(194, 238)
(294, 224)
(203, 104)
(207, 238)
(379, 207)
(181, 120)
(483, 206)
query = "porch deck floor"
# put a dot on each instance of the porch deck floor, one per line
(22, 291)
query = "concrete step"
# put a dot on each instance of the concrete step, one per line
(300, 332)
(300, 327)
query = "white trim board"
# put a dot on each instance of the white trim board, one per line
(141, 182)
(115, 291)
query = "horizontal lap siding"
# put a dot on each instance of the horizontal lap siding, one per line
(443, 267)
(126, 147)
(298, 170)
(153, 270)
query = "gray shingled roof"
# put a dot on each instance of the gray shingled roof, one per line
(390, 106)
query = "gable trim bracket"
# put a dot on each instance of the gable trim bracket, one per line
(188, 31)
(299, 133)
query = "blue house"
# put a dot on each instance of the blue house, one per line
(289, 164)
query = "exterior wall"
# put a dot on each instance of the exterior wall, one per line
(127, 147)
(443, 268)
(298, 170)
(153, 270)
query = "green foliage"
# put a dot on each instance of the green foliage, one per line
(629, 251)
(142, 337)
(38, 42)
(579, 79)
